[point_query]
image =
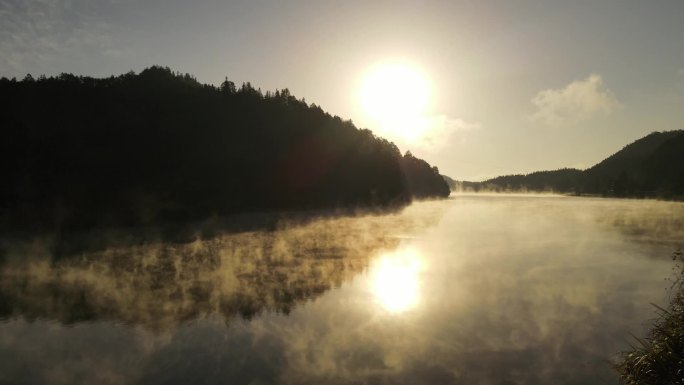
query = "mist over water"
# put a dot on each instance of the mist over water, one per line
(476, 289)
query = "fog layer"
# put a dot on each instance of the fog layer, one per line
(475, 289)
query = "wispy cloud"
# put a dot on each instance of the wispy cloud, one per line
(36, 33)
(578, 101)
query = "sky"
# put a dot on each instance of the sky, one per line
(514, 86)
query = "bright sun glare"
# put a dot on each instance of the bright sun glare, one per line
(395, 97)
(395, 281)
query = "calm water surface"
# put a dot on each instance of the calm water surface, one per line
(475, 289)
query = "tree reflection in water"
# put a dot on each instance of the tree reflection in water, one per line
(160, 285)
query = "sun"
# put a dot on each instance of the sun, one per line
(395, 97)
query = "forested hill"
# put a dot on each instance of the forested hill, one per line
(159, 146)
(652, 166)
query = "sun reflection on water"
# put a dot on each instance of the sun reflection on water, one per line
(395, 281)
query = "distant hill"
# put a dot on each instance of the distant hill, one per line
(652, 166)
(452, 183)
(559, 180)
(159, 146)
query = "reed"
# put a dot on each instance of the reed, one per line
(659, 357)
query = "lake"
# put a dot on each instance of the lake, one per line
(475, 289)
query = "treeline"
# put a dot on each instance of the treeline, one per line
(563, 180)
(651, 167)
(159, 146)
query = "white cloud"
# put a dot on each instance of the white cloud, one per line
(453, 124)
(425, 131)
(579, 100)
(440, 128)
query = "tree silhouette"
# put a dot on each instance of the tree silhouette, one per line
(159, 146)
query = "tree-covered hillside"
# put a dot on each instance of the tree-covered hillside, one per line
(559, 180)
(159, 146)
(652, 166)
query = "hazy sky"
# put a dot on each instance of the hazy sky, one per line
(516, 86)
